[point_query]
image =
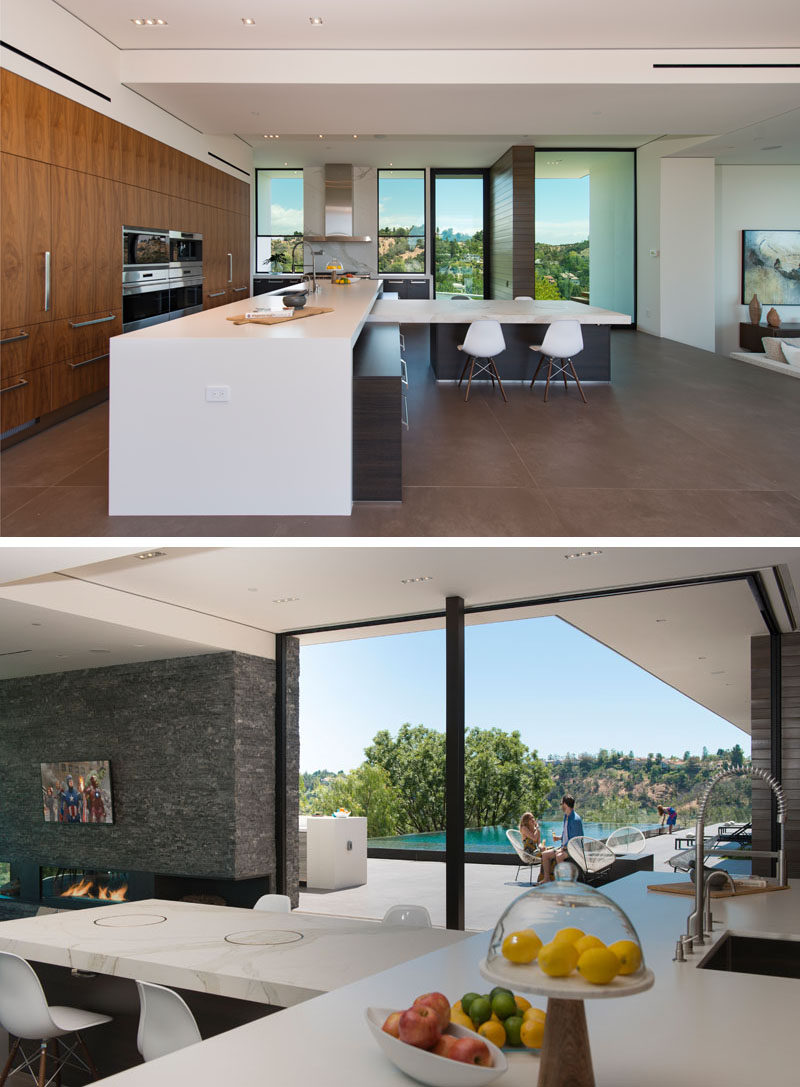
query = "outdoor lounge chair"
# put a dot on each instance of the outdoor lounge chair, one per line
(626, 842)
(726, 837)
(526, 859)
(593, 858)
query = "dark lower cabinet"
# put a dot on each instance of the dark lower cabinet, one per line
(377, 415)
(261, 285)
(750, 336)
(407, 288)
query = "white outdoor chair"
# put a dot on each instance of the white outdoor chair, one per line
(626, 842)
(526, 859)
(484, 340)
(562, 341)
(25, 1014)
(274, 904)
(165, 1022)
(592, 857)
(523, 298)
(409, 916)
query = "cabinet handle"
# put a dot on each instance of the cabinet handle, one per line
(10, 388)
(15, 339)
(96, 321)
(77, 365)
(215, 294)
(46, 282)
(236, 290)
(404, 372)
(230, 267)
(404, 412)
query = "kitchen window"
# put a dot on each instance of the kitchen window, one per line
(401, 221)
(279, 219)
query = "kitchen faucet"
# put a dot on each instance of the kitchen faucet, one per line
(304, 243)
(695, 921)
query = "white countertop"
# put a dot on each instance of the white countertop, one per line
(693, 1028)
(184, 944)
(444, 311)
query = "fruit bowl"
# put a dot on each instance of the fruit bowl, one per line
(428, 1067)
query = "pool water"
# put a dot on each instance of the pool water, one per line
(490, 839)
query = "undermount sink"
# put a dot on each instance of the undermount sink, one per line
(765, 955)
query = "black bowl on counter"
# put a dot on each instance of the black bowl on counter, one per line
(295, 299)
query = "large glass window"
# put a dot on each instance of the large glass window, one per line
(584, 227)
(458, 214)
(401, 221)
(279, 219)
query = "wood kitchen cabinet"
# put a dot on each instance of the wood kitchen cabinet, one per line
(23, 397)
(26, 348)
(84, 140)
(87, 243)
(26, 241)
(24, 117)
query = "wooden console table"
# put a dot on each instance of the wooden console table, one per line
(750, 336)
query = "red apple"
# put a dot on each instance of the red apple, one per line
(419, 1026)
(471, 1051)
(444, 1046)
(392, 1024)
(439, 1003)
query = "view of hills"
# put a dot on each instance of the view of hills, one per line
(562, 271)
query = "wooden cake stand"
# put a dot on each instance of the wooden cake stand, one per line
(566, 1057)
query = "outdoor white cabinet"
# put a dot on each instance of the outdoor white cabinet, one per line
(336, 852)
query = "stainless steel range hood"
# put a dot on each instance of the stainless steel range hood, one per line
(338, 206)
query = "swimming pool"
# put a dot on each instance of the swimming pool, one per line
(489, 839)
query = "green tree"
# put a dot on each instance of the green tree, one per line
(737, 756)
(414, 762)
(365, 791)
(502, 778)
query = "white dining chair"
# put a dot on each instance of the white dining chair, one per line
(26, 1015)
(562, 341)
(165, 1022)
(274, 904)
(409, 916)
(523, 298)
(484, 340)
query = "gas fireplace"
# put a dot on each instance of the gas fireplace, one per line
(88, 884)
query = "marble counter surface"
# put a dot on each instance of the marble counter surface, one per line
(270, 958)
(445, 311)
(694, 1027)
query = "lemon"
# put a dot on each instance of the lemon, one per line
(522, 1003)
(629, 955)
(456, 1007)
(532, 1033)
(558, 958)
(495, 1032)
(534, 1013)
(569, 934)
(586, 942)
(598, 965)
(462, 1020)
(522, 946)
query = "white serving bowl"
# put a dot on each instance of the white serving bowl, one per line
(427, 1067)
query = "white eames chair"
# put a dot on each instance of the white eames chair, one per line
(165, 1022)
(25, 1014)
(562, 341)
(409, 916)
(484, 340)
(274, 904)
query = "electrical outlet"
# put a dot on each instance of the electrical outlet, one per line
(218, 394)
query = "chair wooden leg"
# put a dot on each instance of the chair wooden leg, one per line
(538, 368)
(469, 381)
(464, 370)
(57, 1061)
(88, 1056)
(580, 390)
(495, 374)
(11, 1057)
(564, 375)
(42, 1065)
(549, 373)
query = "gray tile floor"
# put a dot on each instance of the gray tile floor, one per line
(682, 443)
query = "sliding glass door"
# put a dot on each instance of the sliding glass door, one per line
(458, 215)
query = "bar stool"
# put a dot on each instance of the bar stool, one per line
(26, 1015)
(562, 340)
(165, 1022)
(274, 904)
(484, 340)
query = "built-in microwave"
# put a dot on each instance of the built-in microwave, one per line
(141, 246)
(185, 248)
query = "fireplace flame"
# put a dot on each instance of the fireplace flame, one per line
(86, 889)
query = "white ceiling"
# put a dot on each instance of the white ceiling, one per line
(701, 649)
(420, 25)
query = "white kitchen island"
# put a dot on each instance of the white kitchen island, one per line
(281, 443)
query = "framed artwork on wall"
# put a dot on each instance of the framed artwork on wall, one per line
(771, 267)
(77, 792)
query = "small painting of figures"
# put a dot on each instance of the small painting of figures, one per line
(77, 792)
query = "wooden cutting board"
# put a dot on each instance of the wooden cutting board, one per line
(722, 892)
(307, 311)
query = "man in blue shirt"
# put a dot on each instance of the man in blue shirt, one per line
(572, 828)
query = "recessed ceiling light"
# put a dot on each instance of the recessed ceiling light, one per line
(702, 658)
(62, 656)
(139, 645)
(354, 136)
(773, 147)
(252, 589)
(151, 555)
(415, 580)
(321, 136)
(662, 620)
(315, 20)
(99, 650)
(249, 22)
(36, 624)
(582, 554)
(286, 600)
(149, 21)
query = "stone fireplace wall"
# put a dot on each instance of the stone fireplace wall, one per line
(191, 744)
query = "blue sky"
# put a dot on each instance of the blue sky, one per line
(562, 209)
(459, 203)
(560, 688)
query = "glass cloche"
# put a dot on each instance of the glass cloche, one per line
(566, 911)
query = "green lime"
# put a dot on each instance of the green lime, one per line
(480, 1010)
(466, 1001)
(513, 1026)
(504, 1004)
(499, 989)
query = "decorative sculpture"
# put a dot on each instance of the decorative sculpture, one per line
(755, 310)
(773, 320)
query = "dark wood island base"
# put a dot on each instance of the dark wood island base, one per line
(518, 362)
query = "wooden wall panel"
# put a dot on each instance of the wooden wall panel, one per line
(25, 237)
(511, 217)
(24, 117)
